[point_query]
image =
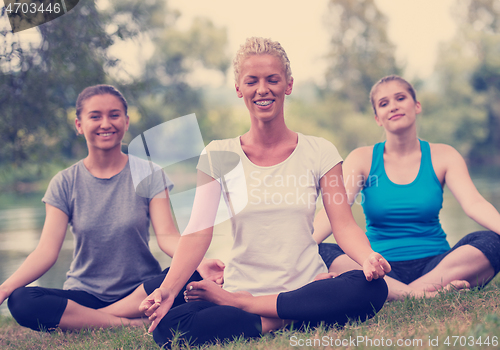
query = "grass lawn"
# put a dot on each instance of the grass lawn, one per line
(453, 320)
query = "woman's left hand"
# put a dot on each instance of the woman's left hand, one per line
(375, 266)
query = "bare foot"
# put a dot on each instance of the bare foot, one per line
(453, 285)
(458, 285)
(325, 275)
(273, 324)
(138, 322)
(210, 291)
(430, 292)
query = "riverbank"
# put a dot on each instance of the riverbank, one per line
(452, 320)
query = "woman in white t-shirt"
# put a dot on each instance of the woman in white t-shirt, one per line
(270, 178)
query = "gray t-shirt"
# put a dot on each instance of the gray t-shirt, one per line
(110, 225)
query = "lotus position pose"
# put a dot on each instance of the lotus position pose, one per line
(110, 224)
(401, 181)
(270, 179)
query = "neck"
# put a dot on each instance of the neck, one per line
(107, 163)
(268, 134)
(402, 144)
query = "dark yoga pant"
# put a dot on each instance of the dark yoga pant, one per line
(334, 301)
(487, 242)
(41, 309)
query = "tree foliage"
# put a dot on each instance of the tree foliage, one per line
(360, 51)
(484, 16)
(39, 82)
(465, 111)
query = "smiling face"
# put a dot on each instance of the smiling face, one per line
(103, 122)
(263, 85)
(394, 106)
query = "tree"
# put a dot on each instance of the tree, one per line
(360, 52)
(484, 17)
(163, 91)
(467, 112)
(39, 83)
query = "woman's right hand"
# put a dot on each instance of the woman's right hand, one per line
(156, 306)
(375, 266)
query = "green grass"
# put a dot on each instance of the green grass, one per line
(460, 317)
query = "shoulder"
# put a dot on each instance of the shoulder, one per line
(318, 145)
(360, 158)
(446, 160)
(444, 154)
(220, 155)
(441, 149)
(141, 169)
(315, 141)
(361, 153)
(223, 145)
(67, 175)
(61, 187)
(135, 162)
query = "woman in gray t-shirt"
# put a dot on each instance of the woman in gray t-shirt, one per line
(110, 223)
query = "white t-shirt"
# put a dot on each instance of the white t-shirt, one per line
(272, 211)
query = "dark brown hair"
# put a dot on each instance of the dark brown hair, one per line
(98, 90)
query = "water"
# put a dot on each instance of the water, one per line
(20, 231)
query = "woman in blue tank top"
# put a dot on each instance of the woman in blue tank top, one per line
(401, 182)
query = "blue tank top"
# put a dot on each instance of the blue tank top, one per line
(402, 221)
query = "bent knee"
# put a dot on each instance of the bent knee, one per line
(374, 292)
(20, 303)
(32, 308)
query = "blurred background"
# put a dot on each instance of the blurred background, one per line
(173, 58)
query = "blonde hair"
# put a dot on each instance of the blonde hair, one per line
(387, 79)
(261, 46)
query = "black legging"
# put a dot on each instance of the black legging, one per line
(41, 308)
(333, 301)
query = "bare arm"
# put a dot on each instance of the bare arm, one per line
(190, 251)
(355, 170)
(44, 255)
(460, 184)
(163, 223)
(168, 237)
(345, 230)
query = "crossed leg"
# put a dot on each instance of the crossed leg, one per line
(465, 267)
(466, 263)
(264, 306)
(332, 300)
(44, 308)
(123, 312)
